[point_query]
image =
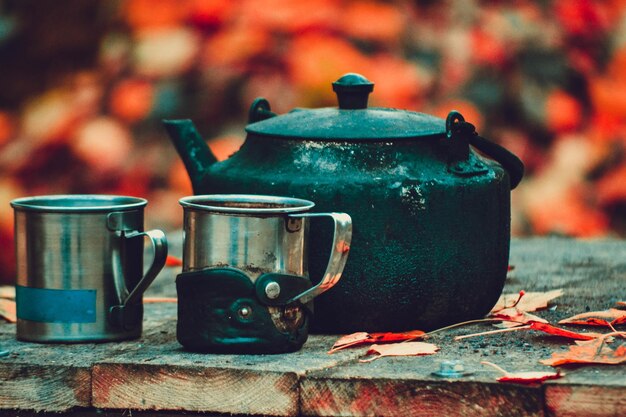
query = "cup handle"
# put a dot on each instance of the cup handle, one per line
(338, 256)
(159, 245)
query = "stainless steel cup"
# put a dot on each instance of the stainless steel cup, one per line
(80, 267)
(263, 241)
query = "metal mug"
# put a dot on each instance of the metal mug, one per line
(245, 286)
(80, 267)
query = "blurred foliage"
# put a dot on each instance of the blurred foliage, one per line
(85, 84)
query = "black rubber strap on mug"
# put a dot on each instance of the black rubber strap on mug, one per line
(219, 312)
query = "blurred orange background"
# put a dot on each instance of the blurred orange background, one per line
(84, 85)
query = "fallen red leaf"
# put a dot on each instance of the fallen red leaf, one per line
(173, 261)
(530, 377)
(555, 331)
(364, 338)
(514, 317)
(543, 326)
(621, 303)
(401, 349)
(608, 318)
(396, 337)
(590, 352)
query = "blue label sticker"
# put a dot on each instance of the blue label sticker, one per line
(55, 306)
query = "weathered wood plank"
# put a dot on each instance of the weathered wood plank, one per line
(593, 274)
(585, 401)
(389, 397)
(155, 375)
(38, 377)
(594, 391)
(404, 386)
(160, 387)
(52, 377)
(57, 377)
(92, 412)
(44, 387)
(162, 376)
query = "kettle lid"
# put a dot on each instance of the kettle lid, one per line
(351, 120)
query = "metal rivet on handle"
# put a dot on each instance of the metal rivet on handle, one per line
(244, 312)
(294, 224)
(272, 290)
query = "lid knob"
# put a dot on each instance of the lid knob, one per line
(353, 91)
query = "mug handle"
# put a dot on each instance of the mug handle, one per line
(338, 256)
(159, 245)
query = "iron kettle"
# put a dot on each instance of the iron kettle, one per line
(431, 216)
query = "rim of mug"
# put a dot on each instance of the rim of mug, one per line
(61, 203)
(211, 202)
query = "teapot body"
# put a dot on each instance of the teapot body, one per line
(430, 237)
(431, 217)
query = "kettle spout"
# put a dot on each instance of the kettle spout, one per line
(193, 150)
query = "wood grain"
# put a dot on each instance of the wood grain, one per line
(44, 387)
(350, 397)
(594, 391)
(585, 400)
(157, 387)
(162, 376)
(51, 377)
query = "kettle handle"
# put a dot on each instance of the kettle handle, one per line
(260, 110)
(456, 125)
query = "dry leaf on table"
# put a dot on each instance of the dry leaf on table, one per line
(7, 291)
(523, 377)
(364, 338)
(7, 310)
(526, 301)
(556, 331)
(401, 349)
(608, 318)
(513, 317)
(514, 309)
(590, 352)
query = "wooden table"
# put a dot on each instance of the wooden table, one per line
(154, 373)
